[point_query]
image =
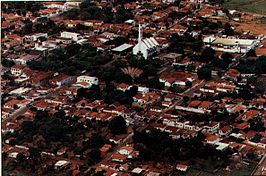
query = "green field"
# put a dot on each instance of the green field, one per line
(255, 6)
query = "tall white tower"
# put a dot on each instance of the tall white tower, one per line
(140, 37)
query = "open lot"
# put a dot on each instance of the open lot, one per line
(255, 6)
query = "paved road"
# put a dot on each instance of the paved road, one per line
(258, 171)
(189, 92)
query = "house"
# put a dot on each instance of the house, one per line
(232, 74)
(147, 47)
(14, 37)
(40, 78)
(177, 78)
(55, 4)
(123, 87)
(126, 150)
(72, 4)
(167, 103)
(212, 139)
(168, 81)
(118, 157)
(250, 114)
(26, 58)
(105, 148)
(93, 23)
(62, 79)
(137, 171)
(182, 167)
(242, 126)
(61, 151)
(211, 127)
(178, 29)
(41, 105)
(169, 97)
(155, 173)
(205, 105)
(61, 164)
(225, 131)
(206, 12)
(6, 113)
(71, 35)
(88, 79)
(9, 127)
(11, 104)
(17, 70)
(36, 36)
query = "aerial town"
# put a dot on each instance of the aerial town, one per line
(133, 87)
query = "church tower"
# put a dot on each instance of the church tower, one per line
(139, 38)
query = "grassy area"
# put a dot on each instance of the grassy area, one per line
(255, 6)
(243, 171)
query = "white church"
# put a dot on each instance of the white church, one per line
(147, 47)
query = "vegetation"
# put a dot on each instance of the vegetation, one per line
(204, 73)
(118, 125)
(253, 66)
(71, 60)
(178, 43)
(158, 146)
(89, 11)
(21, 7)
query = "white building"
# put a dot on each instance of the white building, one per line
(146, 47)
(13, 155)
(88, 79)
(71, 35)
(35, 37)
(60, 164)
(17, 70)
(58, 5)
(231, 45)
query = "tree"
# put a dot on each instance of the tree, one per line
(95, 154)
(4, 155)
(85, 4)
(28, 126)
(132, 91)
(251, 155)
(188, 84)
(185, 98)
(122, 15)
(89, 161)
(121, 77)
(207, 54)
(251, 53)
(227, 57)
(96, 141)
(34, 153)
(228, 30)
(7, 63)
(20, 157)
(118, 125)
(204, 73)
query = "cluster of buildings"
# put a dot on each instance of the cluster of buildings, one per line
(26, 90)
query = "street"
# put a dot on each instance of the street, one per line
(260, 168)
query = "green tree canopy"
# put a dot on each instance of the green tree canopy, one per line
(118, 125)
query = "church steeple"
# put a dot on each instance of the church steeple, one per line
(140, 37)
